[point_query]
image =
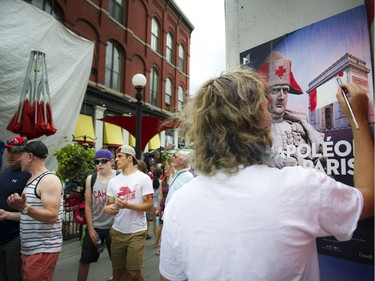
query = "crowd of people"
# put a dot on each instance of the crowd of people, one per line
(263, 218)
(118, 195)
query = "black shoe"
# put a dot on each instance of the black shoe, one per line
(148, 237)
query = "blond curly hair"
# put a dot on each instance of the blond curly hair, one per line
(224, 122)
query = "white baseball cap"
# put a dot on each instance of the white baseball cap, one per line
(128, 150)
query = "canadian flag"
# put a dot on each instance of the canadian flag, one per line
(325, 94)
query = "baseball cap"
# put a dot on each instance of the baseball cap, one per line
(37, 148)
(104, 153)
(16, 144)
(128, 150)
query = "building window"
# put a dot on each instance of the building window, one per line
(181, 58)
(180, 98)
(116, 10)
(155, 34)
(168, 94)
(169, 48)
(113, 69)
(46, 6)
(154, 86)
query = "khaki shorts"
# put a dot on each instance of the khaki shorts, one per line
(127, 249)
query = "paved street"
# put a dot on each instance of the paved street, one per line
(67, 265)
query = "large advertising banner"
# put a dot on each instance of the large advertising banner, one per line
(309, 129)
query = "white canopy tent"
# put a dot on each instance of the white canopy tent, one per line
(24, 28)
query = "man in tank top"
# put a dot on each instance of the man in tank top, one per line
(40, 216)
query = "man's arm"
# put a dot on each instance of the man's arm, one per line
(363, 146)
(111, 208)
(146, 206)
(49, 189)
(88, 210)
(11, 216)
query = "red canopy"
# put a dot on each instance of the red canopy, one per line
(150, 125)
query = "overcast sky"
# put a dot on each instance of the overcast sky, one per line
(207, 49)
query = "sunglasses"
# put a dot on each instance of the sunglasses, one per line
(101, 161)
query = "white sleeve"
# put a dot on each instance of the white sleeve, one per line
(110, 191)
(340, 208)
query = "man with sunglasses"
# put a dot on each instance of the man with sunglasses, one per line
(98, 222)
(12, 180)
(130, 196)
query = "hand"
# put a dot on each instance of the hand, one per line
(93, 236)
(358, 100)
(112, 209)
(17, 202)
(121, 203)
(3, 215)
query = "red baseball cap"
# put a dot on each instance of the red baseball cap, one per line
(16, 144)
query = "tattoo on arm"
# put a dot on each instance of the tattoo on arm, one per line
(150, 196)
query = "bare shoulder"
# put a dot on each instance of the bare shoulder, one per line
(50, 182)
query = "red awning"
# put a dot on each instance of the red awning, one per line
(150, 125)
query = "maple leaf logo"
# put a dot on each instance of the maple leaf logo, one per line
(280, 71)
(126, 192)
(123, 191)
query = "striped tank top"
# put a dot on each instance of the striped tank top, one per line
(36, 236)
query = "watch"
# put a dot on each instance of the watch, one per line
(25, 211)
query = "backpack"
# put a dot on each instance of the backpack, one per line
(79, 214)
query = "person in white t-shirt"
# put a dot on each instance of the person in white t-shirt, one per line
(241, 219)
(130, 195)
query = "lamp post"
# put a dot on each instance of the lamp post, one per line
(139, 82)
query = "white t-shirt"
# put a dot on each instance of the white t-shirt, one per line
(133, 187)
(259, 224)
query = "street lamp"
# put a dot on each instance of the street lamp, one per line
(139, 82)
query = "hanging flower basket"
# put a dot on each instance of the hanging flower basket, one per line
(75, 163)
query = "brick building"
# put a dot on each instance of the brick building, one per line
(151, 37)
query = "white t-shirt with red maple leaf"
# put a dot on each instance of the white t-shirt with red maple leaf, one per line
(132, 187)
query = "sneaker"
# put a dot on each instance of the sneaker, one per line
(157, 252)
(148, 237)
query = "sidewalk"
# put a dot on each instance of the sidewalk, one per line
(67, 264)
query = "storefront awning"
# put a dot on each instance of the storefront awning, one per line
(131, 140)
(112, 135)
(154, 143)
(150, 126)
(84, 131)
